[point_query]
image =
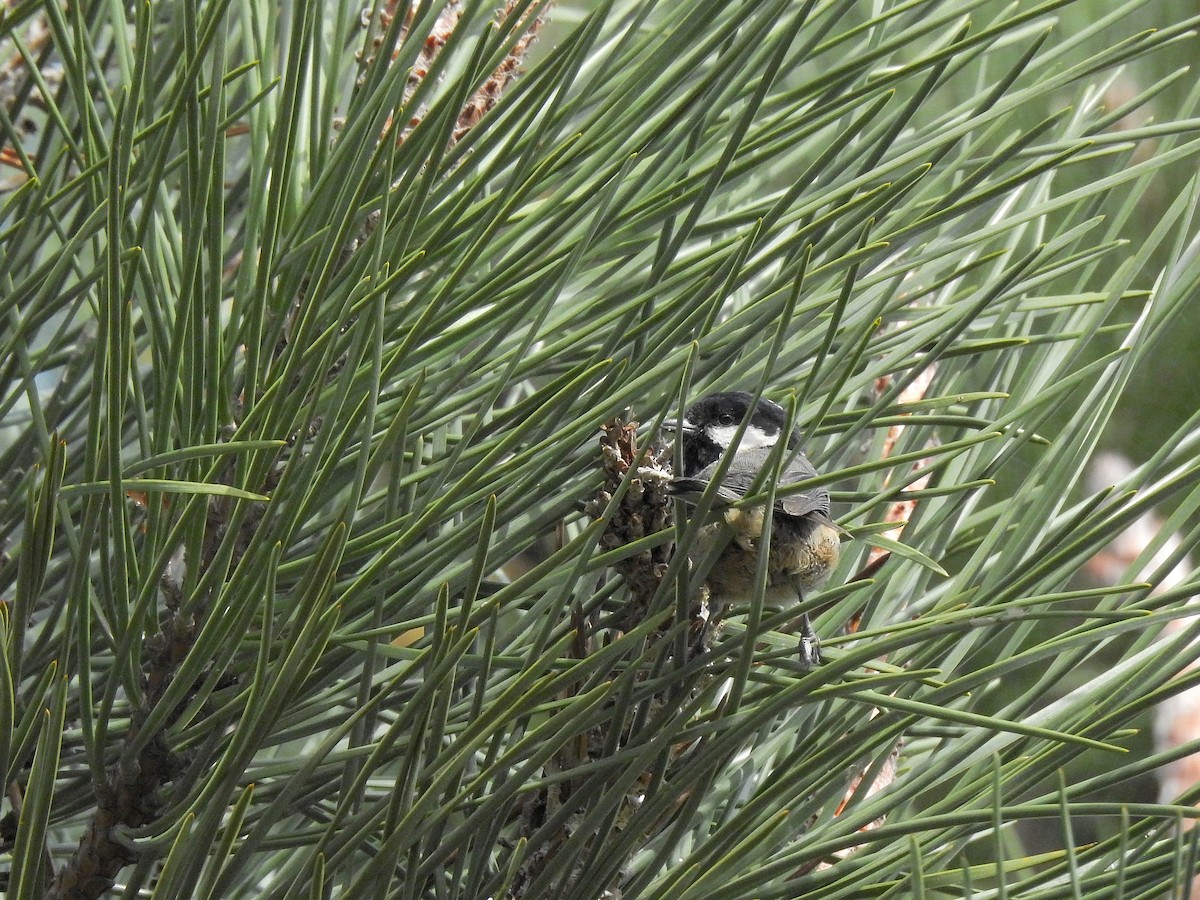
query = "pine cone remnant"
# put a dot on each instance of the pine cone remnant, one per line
(645, 509)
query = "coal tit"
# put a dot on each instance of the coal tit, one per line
(804, 540)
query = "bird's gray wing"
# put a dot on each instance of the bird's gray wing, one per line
(807, 502)
(739, 481)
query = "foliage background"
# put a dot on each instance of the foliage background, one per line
(308, 332)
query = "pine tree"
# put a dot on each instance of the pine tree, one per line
(321, 577)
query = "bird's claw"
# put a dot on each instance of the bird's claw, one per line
(810, 645)
(810, 653)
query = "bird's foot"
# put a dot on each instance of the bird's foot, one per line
(810, 645)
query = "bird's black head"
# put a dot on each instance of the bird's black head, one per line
(710, 424)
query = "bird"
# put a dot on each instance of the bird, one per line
(804, 541)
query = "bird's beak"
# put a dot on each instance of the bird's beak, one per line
(685, 426)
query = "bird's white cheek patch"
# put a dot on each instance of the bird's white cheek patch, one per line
(722, 436)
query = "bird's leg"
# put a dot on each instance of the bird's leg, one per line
(698, 644)
(810, 644)
(712, 608)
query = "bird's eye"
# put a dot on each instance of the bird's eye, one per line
(726, 419)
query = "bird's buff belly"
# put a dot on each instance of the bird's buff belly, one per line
(803, 553)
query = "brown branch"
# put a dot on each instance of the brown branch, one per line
(128, 800)
(643, 509)
(130, 795)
